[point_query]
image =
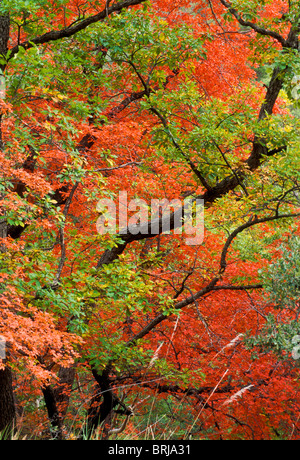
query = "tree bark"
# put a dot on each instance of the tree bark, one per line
(4, 37)
(103, 402)
(63, 390)
(7, 404)
(57, 400)
(53, 412)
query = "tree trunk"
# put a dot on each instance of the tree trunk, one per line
(102, 403)
(7, 405)
(63, 389)
(4, 37)
(57, 400)
(53, 412)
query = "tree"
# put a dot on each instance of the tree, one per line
(7, 407)
(159, 99)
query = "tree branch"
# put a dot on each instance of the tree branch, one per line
(252, 25)
(67, 32)
(177, 146)
(250, 223)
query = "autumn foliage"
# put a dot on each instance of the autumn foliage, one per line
(128, 335)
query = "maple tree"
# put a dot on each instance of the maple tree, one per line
(119, 332)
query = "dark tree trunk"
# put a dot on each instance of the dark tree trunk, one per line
(63, 390)
(7, 405)
(4, 37)
(102, 403)
(57, 400)
(53, 412)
